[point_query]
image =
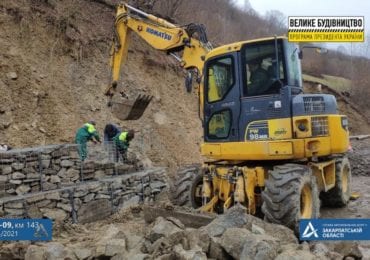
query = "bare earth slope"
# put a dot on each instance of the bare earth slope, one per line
(54, 69)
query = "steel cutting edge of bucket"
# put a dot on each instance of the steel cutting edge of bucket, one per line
(125, 109)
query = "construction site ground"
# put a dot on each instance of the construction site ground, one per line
(53, 71)
(126, 234)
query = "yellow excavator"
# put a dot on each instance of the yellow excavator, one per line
(269, 147)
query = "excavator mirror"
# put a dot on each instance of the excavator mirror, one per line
(189, 82)
(125, 109)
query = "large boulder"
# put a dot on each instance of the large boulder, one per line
(82, 253)
(243, 244)
(115, 246)
(198, 239)
(55, 214)
(111, 232)
(348, 249)
(162, 228)
(319, 249)
(93, 210)
(297, 255)
(237, 217)
(234, 217)
(34, 252)
(188, 254)
(56, 251)
(232, 240)
(259, 247)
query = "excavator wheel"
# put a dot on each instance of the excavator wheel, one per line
(195, 195)
(186, 185)
(290, 194)
(341, 193)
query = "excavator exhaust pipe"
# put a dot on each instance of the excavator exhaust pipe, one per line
(125, 109)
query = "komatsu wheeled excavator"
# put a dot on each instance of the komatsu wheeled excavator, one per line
(269, 147)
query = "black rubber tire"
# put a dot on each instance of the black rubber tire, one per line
(181, 187)
(282, 195)
(195, 201)
(338, 196)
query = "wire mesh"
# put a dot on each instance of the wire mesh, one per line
(55, 179)
(109, 152)
(46, 168)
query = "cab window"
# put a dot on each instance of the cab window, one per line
(262, 71)
(219, 125)
(220, 78)
(294, 66)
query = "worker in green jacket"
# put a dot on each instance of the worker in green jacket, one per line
(122, 142)
(85, 134)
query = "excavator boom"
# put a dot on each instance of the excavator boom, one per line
(190, 41)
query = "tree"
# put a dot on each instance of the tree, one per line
(276, 21)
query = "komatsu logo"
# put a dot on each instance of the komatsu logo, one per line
(162, 35)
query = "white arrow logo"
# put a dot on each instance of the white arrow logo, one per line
(309, 231)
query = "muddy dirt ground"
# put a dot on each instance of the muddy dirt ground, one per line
(359, 208)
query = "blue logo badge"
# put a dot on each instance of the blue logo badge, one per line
(26, 229)
(334, 229)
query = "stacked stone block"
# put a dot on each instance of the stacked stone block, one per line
(51, 167)
(52, 182)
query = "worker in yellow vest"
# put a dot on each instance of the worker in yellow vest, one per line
(122, 142)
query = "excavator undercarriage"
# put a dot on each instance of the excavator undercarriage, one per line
(283, 193)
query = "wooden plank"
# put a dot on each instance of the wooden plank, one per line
(193, 220)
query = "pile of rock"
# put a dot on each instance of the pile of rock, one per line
(235, 235)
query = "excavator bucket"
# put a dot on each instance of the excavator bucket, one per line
(125, 109)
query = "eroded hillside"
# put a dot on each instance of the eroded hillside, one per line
(54, 69)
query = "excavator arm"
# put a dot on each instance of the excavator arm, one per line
(187, 44)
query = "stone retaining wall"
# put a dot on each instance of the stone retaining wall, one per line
(88, 201)
(50, 167)
(51, 182)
